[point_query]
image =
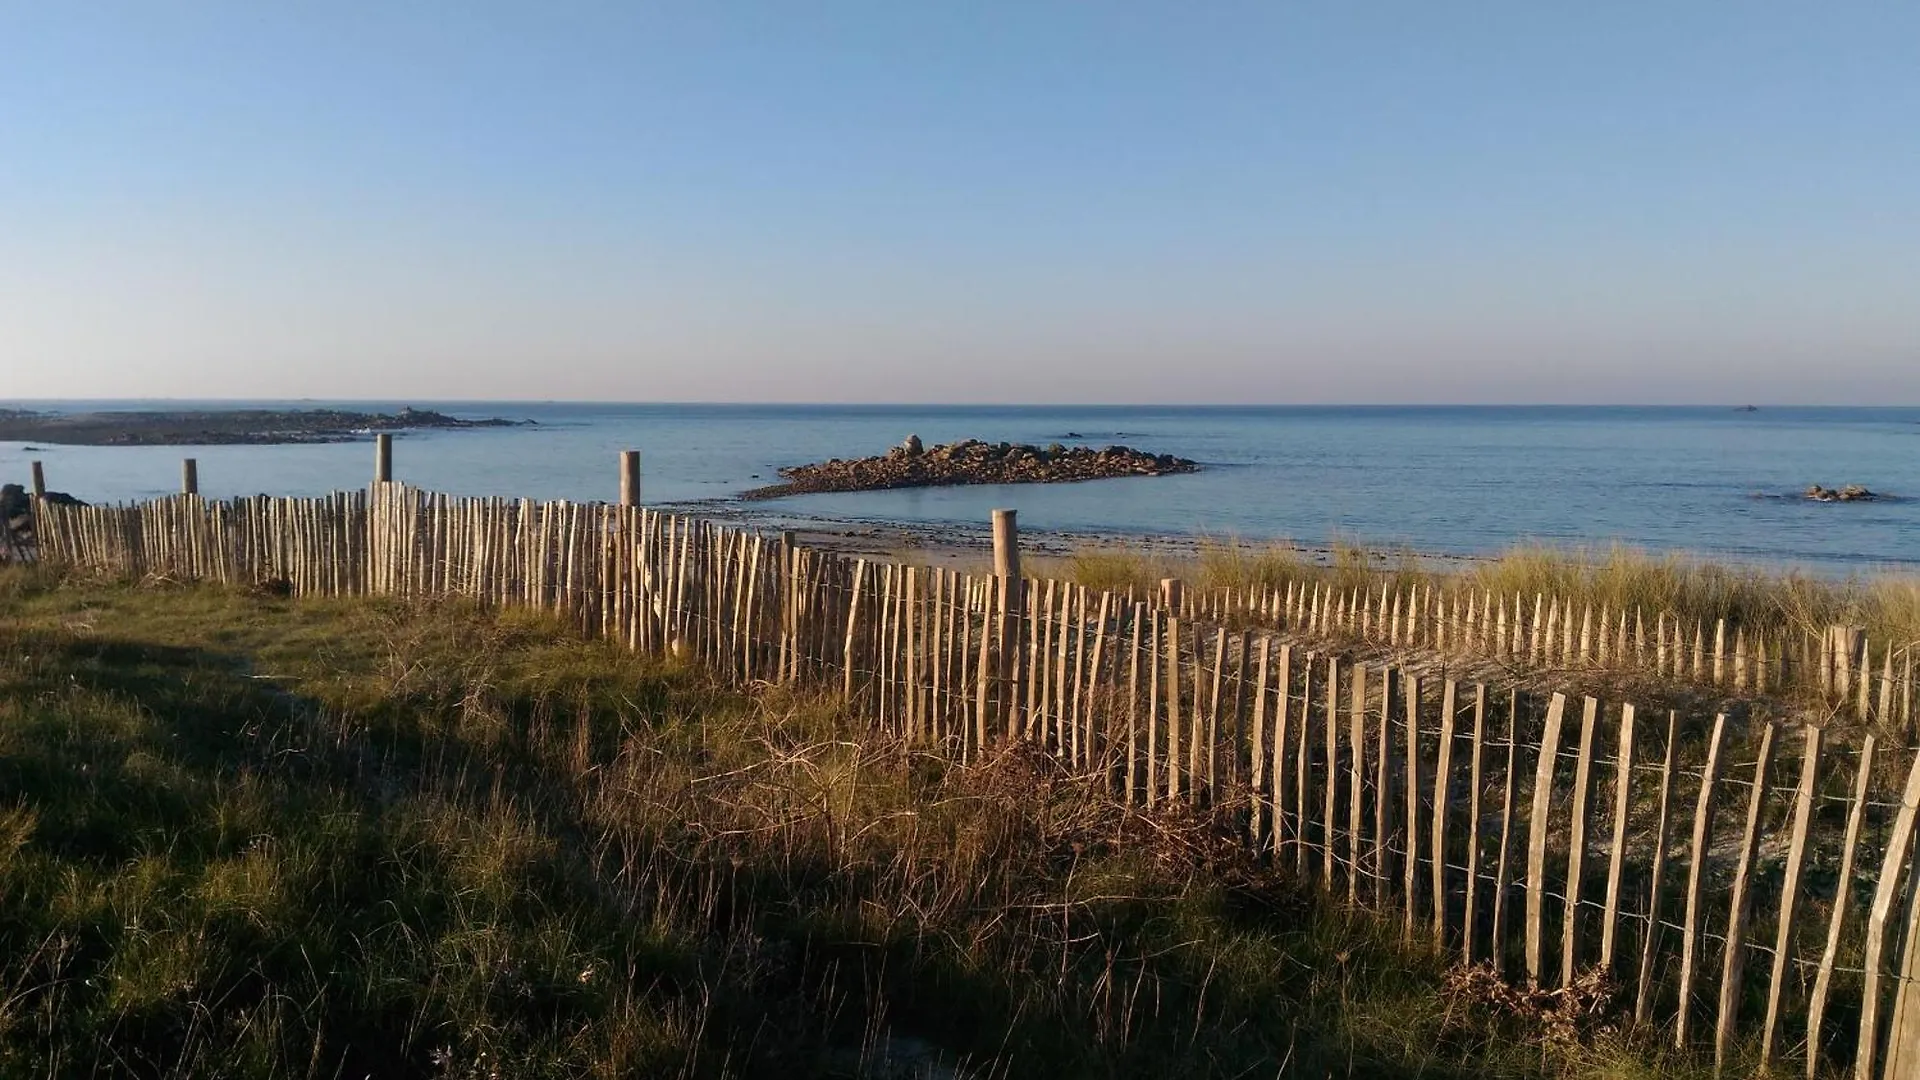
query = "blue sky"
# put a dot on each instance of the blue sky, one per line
(1383, 202)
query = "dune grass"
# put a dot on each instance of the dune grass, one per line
(1617, 578)
(247, 836)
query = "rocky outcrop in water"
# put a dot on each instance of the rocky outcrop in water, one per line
(970, 461)
(1850, 493)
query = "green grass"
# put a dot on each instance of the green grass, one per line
(248, 836)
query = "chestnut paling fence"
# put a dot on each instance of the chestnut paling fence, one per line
(1842, 664)
(1736, 886)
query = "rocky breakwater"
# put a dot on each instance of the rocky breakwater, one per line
(971, 461)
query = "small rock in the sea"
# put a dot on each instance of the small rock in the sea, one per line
(1850, 493)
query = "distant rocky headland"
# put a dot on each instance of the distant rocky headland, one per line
(971, 461)
(224, 427)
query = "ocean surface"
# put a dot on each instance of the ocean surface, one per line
(1710, 481)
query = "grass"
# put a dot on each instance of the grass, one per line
(1223, 564)
(1618, 578)
(247, 836)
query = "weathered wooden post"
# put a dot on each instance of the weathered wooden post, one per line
(39, 481)
(1844, 657)
(790, 657)
(1006, 544)
(1903, 1043)
(383, 458)
(1006, 573)
(189, 476)
(629, 478)
(1172, 592)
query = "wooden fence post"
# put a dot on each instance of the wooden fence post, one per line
(1579, 829)
(850, 652)
(189, 476)
(1790, 893)
(1442, 795)
(1845, 651)
(1006, 544)
(1497, 937)
(1537, 833)
(1885, 894)
(1696, 880)
(1256, 743)
(1656, 876)
(1410, 687)
(1740, 911)
(1842, 900)
(1476, 769)
(1172, 592)
(1903, 1042)
(1012, 589)
(383, 458)
(1356, 795)
(629, 478)
(1616, 857)
(39, 481)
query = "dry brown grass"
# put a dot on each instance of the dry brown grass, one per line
(1616, 578)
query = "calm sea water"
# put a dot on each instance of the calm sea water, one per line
(1458, 480)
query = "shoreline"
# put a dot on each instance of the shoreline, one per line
(955, 544)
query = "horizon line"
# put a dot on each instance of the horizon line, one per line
(403, 399)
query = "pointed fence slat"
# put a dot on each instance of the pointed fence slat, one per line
(1437, 848)
(1580, 827)
(1616, 856)
(1542, 805)
(1656, 877)
(1873, 959)
(1691, 933)
(1790, 890)
(1740, 910)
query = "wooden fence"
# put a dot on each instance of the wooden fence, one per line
(1872, 680)
(1736, 883)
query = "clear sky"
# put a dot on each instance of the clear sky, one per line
(918, 201)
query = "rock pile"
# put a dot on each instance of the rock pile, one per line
(1850, 493)
(970, 461)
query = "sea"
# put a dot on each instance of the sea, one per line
(1716, 482)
